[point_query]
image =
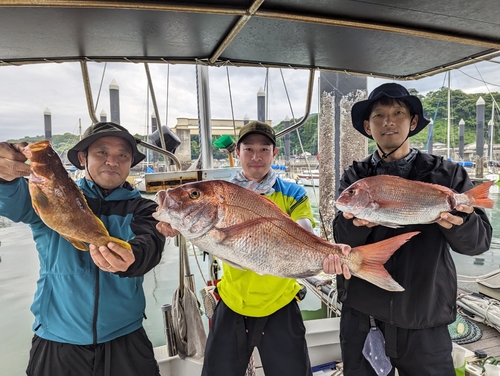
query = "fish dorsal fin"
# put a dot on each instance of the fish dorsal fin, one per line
(241, 228)
(443, 189)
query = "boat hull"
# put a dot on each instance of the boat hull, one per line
(309, 178)
(489, 284)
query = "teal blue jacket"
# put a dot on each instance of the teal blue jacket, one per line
(76, 302)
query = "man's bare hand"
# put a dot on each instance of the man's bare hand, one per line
(12, 161)
(449, 220)
(166, 230)
(105, 257)
(358, 222)
(332, 264)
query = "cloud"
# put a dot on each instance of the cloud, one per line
(27, 91)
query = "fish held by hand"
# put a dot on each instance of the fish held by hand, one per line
(248, 231)
(394, 202)
(60, 203)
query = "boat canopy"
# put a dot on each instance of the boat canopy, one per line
(391, 39)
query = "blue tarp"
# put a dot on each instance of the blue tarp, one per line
(278, 167)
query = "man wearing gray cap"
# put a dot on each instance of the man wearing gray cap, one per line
(89, 306)
(261, 310)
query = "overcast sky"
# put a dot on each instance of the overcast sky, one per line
(27, 91)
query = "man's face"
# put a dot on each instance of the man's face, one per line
(389, 125)
(256, 153)
(108, 162)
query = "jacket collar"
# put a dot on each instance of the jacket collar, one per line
(125, 192)
(424, 165)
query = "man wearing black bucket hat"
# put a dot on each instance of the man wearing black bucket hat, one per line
(89, 306)
(414, 322)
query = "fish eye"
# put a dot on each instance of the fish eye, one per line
(351, 192)
(195, 194)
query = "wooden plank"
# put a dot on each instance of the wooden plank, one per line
(489, 342)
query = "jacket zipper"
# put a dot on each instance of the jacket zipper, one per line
(96, 290)
(96, 305)
(391, 305)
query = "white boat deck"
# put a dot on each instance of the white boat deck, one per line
(322, 336)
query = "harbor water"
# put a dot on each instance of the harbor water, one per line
(19, 273)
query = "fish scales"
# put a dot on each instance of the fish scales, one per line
(269, 246)
(249, 231)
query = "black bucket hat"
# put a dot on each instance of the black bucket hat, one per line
(390, 90)
(99, 130)
(257, 127)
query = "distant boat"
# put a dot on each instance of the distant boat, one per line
(309, 177)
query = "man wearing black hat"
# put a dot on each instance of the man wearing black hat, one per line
(89, 306)
(414, 322)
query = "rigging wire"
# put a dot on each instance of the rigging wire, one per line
(266, 89)
(477, 79)
(486, 84)
(231, 100)
(297, 130)
(303, 153)
(166, 100)
(429, 137)
(494, 102)
(100, 87)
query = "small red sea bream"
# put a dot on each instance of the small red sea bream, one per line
(248, 231)
(393, 201)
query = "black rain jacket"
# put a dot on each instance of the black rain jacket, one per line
(423, 265)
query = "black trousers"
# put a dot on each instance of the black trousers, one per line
(420, 352)
(130, 355)
(279, 337)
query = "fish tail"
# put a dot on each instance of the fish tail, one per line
(375, 255)
(478, 196)
(121, 243)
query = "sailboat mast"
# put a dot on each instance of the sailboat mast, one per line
(147, 126)
(449, 117)
(491, 126)
(267, 96)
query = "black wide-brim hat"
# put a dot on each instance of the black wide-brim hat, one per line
(390, 90)
(99, 130)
